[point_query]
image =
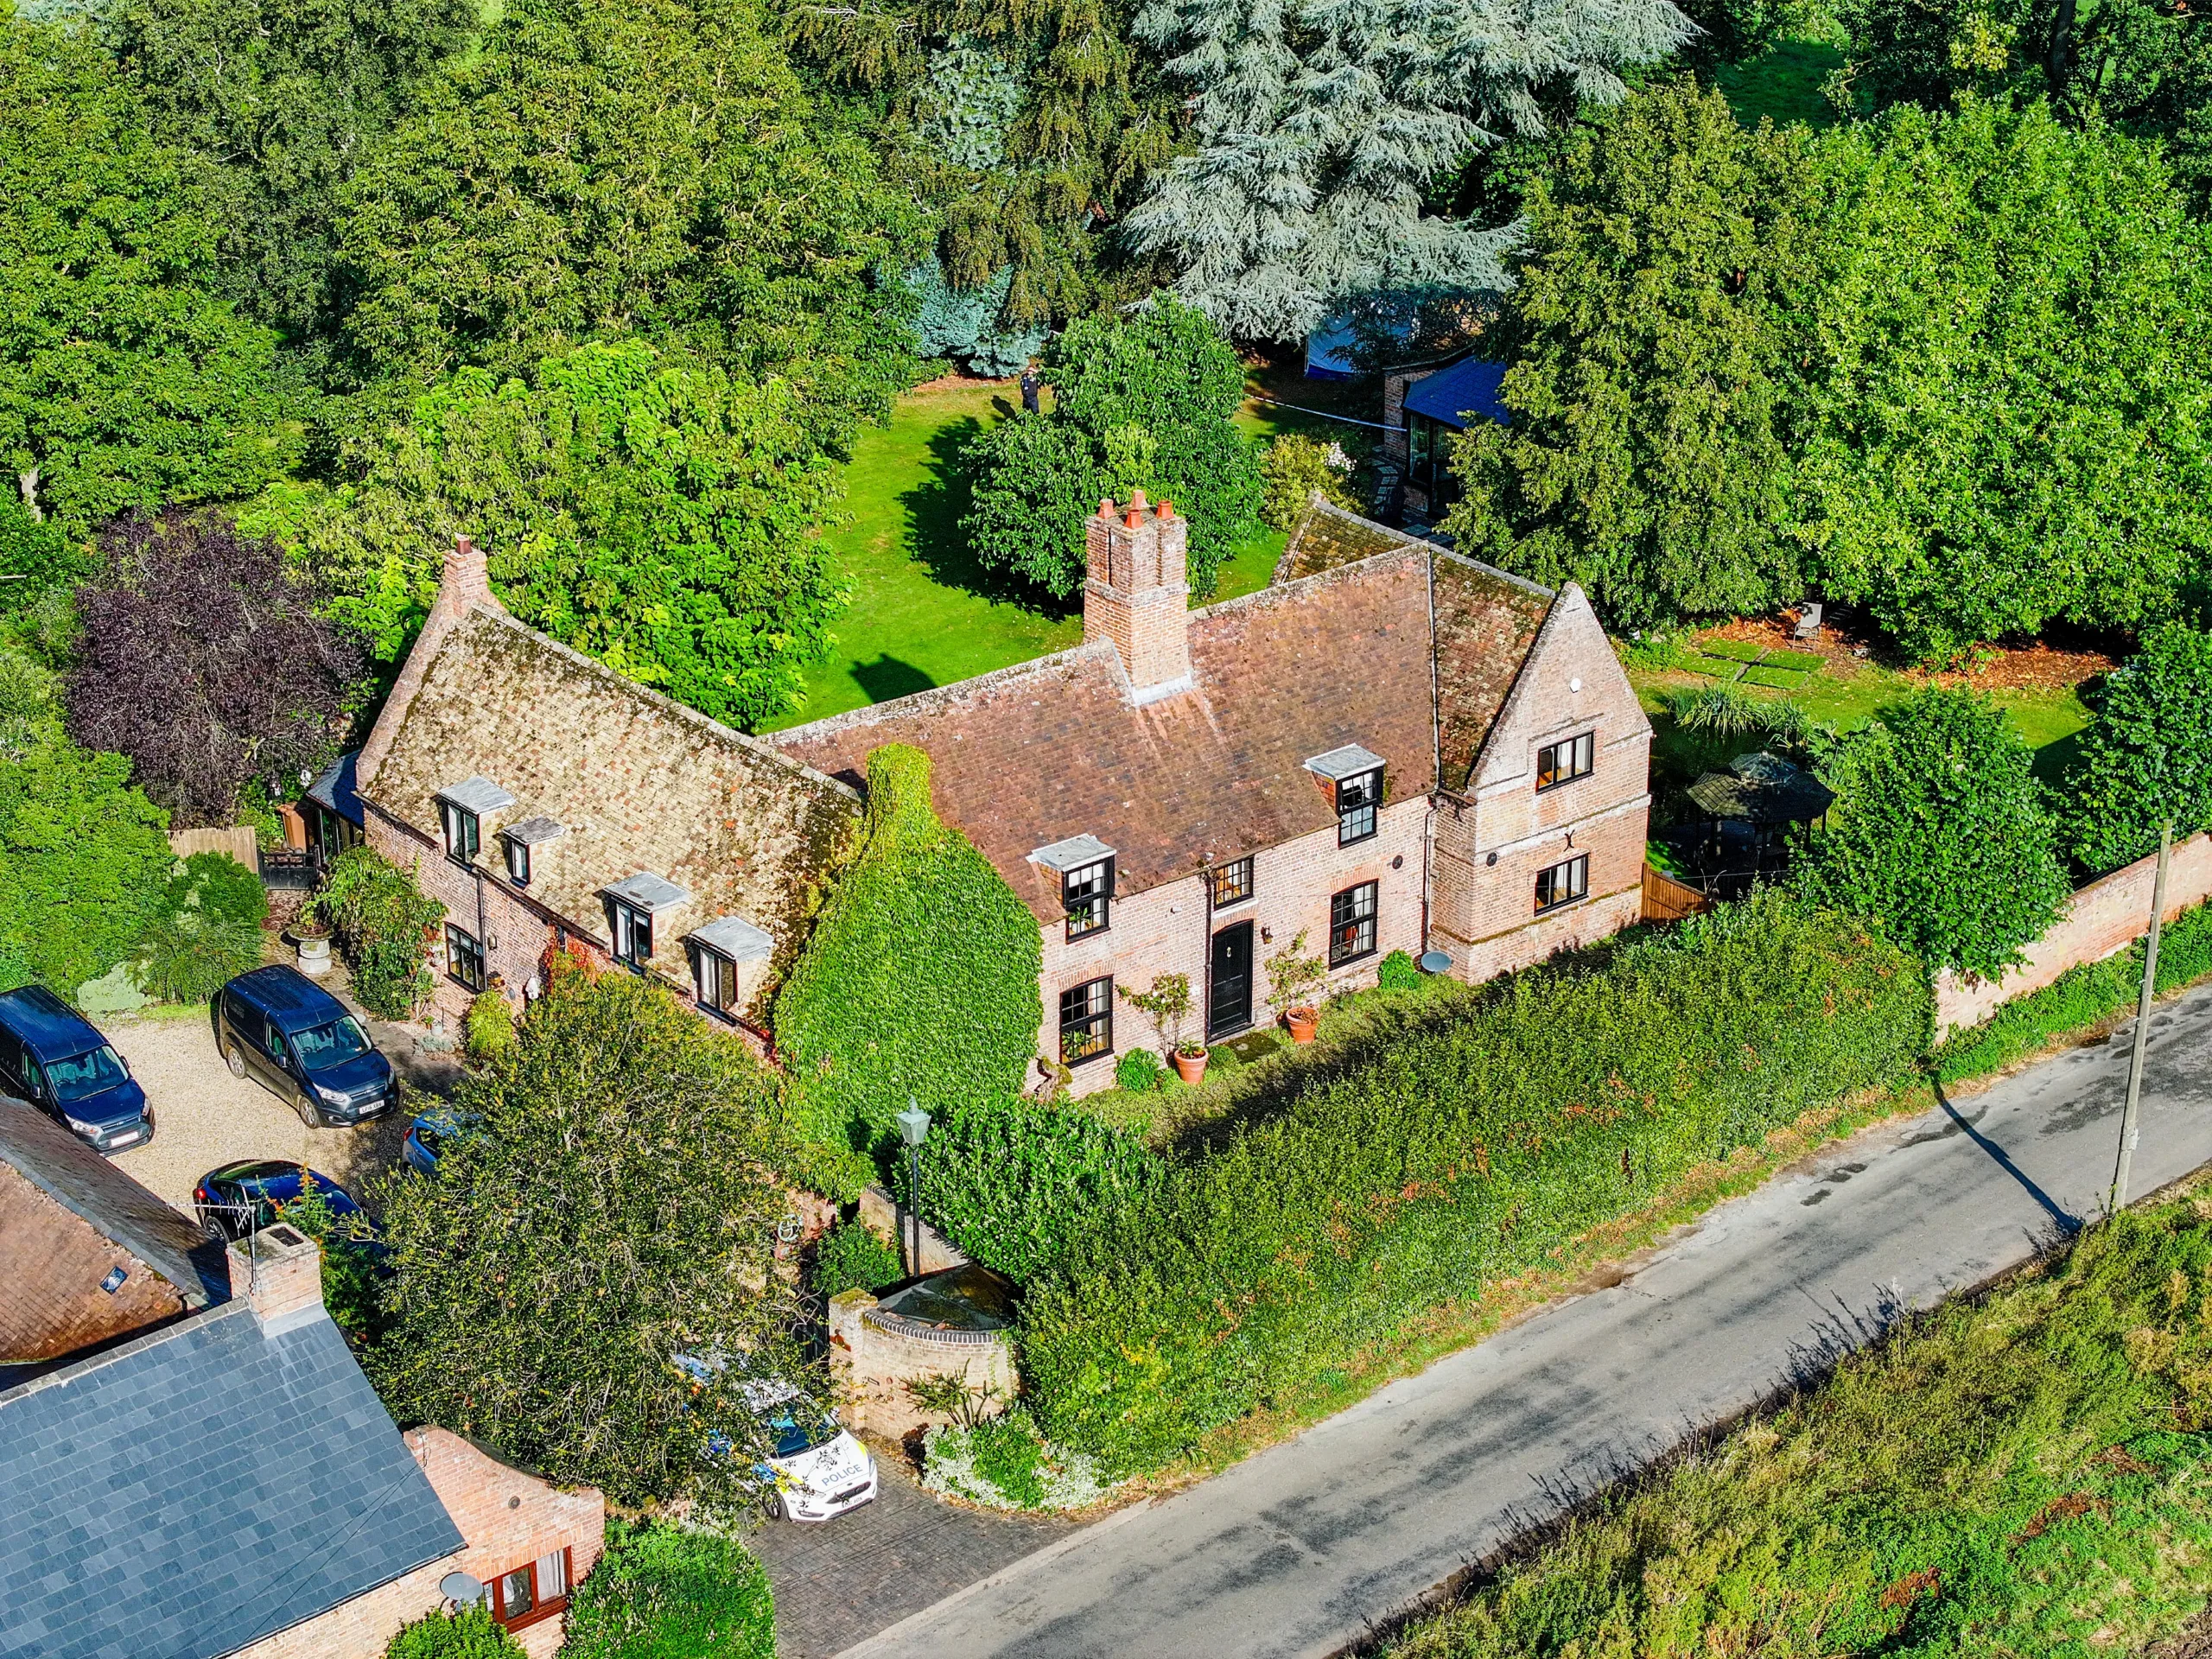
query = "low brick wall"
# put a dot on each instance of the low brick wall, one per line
(882, 1215)
(2106, 916)
(874, 1355)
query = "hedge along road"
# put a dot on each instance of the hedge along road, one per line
(1306, 1547)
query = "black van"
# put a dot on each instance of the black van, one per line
(279, 1027)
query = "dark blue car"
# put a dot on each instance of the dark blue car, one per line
(51, 1056)
(279, 1027)
(238, 1199)
(428, 1135)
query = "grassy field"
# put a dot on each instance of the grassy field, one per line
(2026, 1476)
(1782, 84)
(923, 613)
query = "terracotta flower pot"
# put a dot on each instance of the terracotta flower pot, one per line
(1190, 1067)
(1301, 1022)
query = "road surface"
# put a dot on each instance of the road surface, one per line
(1306, 1547)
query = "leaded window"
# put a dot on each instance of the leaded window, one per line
(1351, 924)
(1357, 798)
(1087, 895)
(1087, 1021)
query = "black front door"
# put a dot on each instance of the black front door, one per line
(1229, 998)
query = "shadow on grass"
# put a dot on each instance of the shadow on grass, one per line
(890, 676)
(934, 508)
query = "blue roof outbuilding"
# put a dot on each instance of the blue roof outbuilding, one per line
(334, 788)
(1468, 388)
(194, 1490)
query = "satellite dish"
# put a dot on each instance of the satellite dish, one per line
(1435, 961)
(461, 1587)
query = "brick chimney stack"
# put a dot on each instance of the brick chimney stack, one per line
(279, 1273)
(465, 583)
(1137, 595)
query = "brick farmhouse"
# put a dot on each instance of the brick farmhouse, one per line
(1390, 748)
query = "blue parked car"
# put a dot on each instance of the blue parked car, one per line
(239, 1197)
(279, 1027)
(51, 1056)
(428, 1135)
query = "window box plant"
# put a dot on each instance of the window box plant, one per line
(1295, 980)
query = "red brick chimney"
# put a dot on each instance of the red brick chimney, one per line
(1136, 595)
(465, 583)
(279, 1271)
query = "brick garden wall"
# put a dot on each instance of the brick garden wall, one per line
(2103, 917)
(870, 1367)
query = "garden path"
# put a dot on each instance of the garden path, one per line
(1312, 1545)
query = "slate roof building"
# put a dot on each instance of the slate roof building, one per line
(1424, 406)
(1389, 747)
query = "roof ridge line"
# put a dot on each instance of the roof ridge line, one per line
(905, 703)
(1298, 586)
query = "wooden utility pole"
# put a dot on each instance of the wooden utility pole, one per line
(2127, 1128)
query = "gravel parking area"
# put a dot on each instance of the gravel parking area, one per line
(204, 1117)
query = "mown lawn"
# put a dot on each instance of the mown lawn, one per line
(1785, 83)
(923, 611)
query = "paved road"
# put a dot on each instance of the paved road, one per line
(1304, 1548)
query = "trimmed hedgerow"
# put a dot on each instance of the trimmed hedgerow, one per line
(1012, 1182)
(850, 1257)
(1472, 1145)
(666, 1592)
(920, 981)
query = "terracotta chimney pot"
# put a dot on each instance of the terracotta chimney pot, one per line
(1106, 507)
(1137, 502)
(1167, 510)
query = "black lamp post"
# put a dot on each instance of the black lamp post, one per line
(914, 1127)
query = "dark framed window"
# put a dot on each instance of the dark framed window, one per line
(1231, 884)
(1357, 798)
(633, 934)
(1087, 1021)
(461, 831)
(1351, 924)
(464, 958)
(536, 1590)
(518, 854)
(1566, 760)
(1087, 895)
(1563, 884)
(716, 976)
(1429, 460)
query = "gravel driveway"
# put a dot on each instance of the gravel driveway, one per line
(203, 1116)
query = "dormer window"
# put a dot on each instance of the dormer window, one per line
(717, 951)
(517, 841)
(1085, 866)
(518, 854)
(632, 904)
(462, 809)
(1354, 776)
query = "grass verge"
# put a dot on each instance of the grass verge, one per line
(2024, 1474)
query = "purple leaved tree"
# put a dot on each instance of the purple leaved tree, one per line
(202, 660)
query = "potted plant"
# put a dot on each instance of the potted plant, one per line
(310, 938)
(1296, 979)
(1167, 1003)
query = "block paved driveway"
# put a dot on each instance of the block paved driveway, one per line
(1306, 1547)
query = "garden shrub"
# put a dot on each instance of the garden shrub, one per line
(2022, 1474)
(1292, 467)
(1940, 835)
(1004, 1463)
(383, 921)
(216, 884)
(188, 957)
(665, 1592)
(851, 1257)
(1012, 1183)
(1478, 1140)
(1138, 1070)
(1398, 972)
(489, 1028)
(921, 980)
(2146, 756)
(469, 1634)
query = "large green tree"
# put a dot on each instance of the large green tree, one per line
(1940, 835)
(616, 1208)
(126, 379)
(653, 512)
(2146, 757)
(1143, 401)
(2014, 371)
(1655, 341)
(606, 167)
(272, 108)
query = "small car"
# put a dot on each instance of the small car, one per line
(238, 1199)
(427, 1136)
(53, 1057)
(817, 1469)
(279, 1027)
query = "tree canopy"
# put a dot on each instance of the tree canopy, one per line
(126, 379)
(606, 167)
(616, 1209)
(2146, 756)
(1940, 835)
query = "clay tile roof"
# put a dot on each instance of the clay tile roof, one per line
(1056, 748)
(1328, 536)
(1486, 622)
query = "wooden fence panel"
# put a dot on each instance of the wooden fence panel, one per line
(1666, 899)
(237, 841)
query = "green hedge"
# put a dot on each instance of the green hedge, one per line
(383, 922)
(921, 980)
(663, 1593)
(850, 1257)
(1012, 1183)
(1473, 1145)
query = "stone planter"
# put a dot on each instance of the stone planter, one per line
(1301, 1022)
(1191, 1068)
(314, 953)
